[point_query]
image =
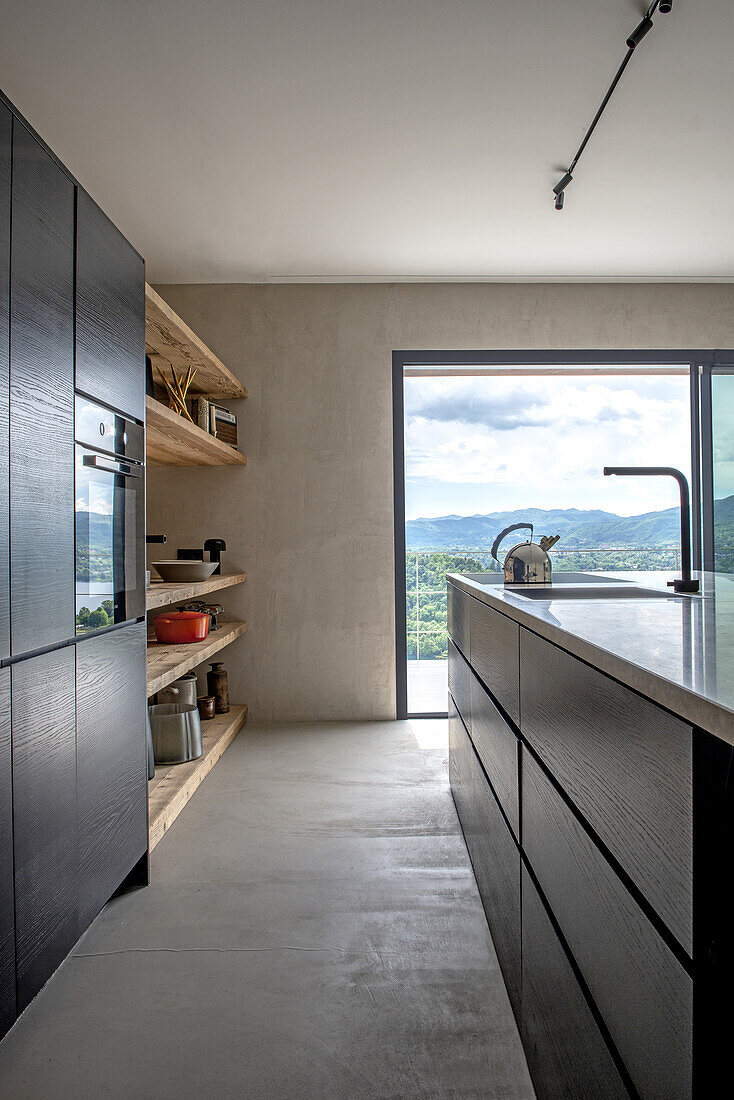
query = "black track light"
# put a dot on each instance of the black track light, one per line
(562, 184)
(639, 32)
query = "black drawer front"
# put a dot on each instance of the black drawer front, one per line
(625, 763)
(495, 655)
(459, 683)
(497, 748)
(642, 992)
(494, 854)
(567, 1055)
(457, 615)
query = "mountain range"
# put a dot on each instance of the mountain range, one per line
(577, 528)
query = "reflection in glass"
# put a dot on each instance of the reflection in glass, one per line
(722, 415)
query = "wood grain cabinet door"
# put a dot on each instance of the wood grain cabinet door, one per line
(110, 313)
(494, 854)
(7, 914)
(459, 683)
(497, 747)
(627, 766)
(567, 1055)
(644, 995)
(495, 655)
(6, 130)
(112, 772)
(457, 617)
(44, 816)
(41, 399)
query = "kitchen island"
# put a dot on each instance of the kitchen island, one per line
(590, 757)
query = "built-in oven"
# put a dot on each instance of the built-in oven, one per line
(109, 493)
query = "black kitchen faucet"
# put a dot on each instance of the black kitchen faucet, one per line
(683, 583)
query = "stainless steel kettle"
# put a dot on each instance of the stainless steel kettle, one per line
(526, 562)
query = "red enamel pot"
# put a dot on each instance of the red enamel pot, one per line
(177, 627)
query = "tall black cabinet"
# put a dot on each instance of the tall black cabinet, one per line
(41, 398)
(73, 761)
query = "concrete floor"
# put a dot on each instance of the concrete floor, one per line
(313, 929)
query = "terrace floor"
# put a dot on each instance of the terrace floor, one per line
(427, 687)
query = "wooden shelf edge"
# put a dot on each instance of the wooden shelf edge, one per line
(174, 784)
(171, 440)
(161, 594)
(170, 342)
(167, 662)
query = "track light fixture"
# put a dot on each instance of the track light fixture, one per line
(642, 29)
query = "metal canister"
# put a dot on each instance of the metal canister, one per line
(218, 686)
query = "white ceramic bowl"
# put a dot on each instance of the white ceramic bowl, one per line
(183, 571)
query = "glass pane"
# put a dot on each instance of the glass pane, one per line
(722, 415)
(483, 453)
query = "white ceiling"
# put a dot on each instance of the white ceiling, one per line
(258, 140)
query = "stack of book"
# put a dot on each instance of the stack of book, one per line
(214, 419)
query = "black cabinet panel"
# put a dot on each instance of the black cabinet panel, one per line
(498, 749)
(110, 319)
(566, 1052)
(457, 616)
(7, 917)
(494, 854)
(6, 129)
(459, 683)
(644, 995)
(41, 399)
(44, 816)
(625, 763)
(112, 774)
(495, 655)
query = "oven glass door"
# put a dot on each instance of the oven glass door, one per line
(110, 542)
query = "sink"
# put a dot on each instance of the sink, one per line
(558, 579)
(581, 592)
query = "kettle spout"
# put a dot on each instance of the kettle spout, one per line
(547, 541)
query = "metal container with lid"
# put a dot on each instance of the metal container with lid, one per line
(526, 562)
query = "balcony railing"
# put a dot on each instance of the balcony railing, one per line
(427, 636)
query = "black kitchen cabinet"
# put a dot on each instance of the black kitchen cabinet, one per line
(7, 916)
(493, 852)
(625, 763)
(6, 131)
(41, 398)
(110, 313)
(567, 1055)
(44, 816)
(112, 768)
(494, 649)
(642, 991)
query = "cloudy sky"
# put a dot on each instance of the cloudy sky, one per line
(478, 445)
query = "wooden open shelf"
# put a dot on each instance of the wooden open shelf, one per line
(173, 784)
(167, 662)
(172, 440)
(170, 342)
(162, 593)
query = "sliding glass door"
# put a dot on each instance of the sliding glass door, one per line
(717, 465)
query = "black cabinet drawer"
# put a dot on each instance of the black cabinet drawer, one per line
(497, 748)
(627, 766)
(110, 313)
(112, 775)
(7, 916)
(6, 126)
(41, 399)
(459, 683)
(44, 816)
(642, 992)
(495, 655)
(566, 1052)
(457, 615)
(494, 854)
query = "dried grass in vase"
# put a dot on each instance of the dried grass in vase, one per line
(177, 389)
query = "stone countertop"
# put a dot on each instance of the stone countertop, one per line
(678, 651)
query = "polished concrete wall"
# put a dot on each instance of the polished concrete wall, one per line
(310, 517)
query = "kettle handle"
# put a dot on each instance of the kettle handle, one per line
(498, 540)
